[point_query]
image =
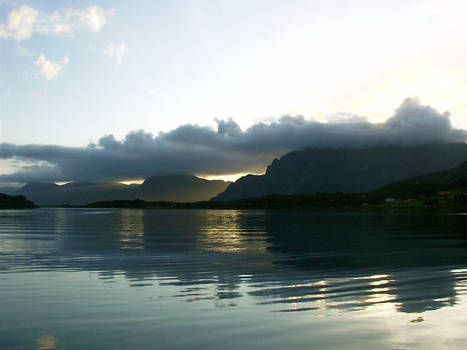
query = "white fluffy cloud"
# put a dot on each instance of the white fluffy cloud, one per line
(20, 24)
(116, 51)
(92, 17)
(23, 22)
(48, 69)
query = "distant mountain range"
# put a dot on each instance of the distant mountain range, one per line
(299, 172)
(345, 170)
(178, 188)
(446, 189)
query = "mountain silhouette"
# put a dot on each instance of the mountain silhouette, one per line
(345, 170)
(15, 202)
(178, 188)
(183, 188)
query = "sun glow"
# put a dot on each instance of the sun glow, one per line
(225, 177)
(61, 183)
(132, 182)
(425, 78)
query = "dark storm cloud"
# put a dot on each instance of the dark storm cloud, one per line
(195, 149)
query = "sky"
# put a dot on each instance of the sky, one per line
(220, 87)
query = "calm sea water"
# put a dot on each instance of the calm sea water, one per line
(202, 279)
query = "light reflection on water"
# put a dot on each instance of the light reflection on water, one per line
(131, 225)
(136, 278)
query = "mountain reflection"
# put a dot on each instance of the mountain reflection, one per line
(297, 260)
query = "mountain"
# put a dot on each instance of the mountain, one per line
(15, 202)
(429, 184)
(445, 189)
(72, 193)
(178, 188)
(345, 170)
(183, 188)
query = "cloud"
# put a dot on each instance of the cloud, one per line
(116, 51)
(92, 17)
(229, 149)
(49, 70)
(25, 21)
(20, 24)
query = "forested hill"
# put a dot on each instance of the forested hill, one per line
(429, 184)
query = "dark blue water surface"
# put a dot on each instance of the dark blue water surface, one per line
(232, 279)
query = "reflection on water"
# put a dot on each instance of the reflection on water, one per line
(227, 232)
(131, 223)
(46, 342)
(406, 290)
(181, 268)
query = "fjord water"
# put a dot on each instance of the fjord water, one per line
(206, 279)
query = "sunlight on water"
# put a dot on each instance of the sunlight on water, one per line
(222, 232)
(106, 279)
(131, 234)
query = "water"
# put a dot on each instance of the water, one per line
(203, 279)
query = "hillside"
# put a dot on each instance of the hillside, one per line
(15, 202)
(427, 185)
(185, 188)
(345, 170)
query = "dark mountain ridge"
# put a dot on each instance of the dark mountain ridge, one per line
(15, 202)
(446, 189)
(345, 170)
(183, 188)
(178, 188)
